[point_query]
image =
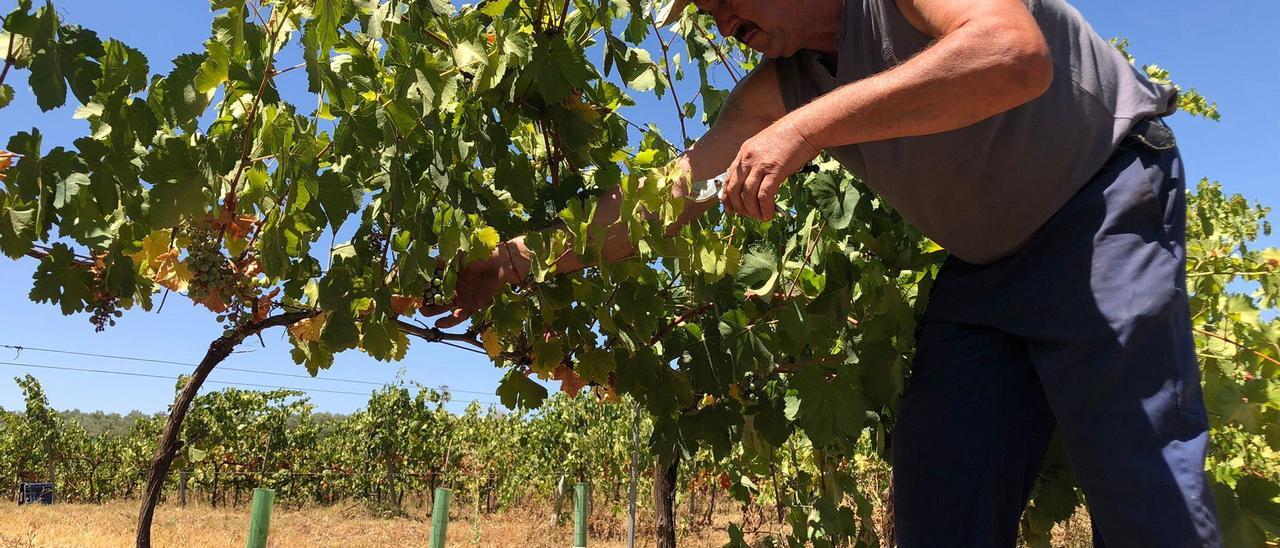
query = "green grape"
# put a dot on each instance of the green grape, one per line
(435, 293)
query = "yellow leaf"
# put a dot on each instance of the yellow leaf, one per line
(309, 329)
(262, 305)
(170, 272)
(492, 346)
(213, 301)
(583, 109)
(735, 392)
(487, 237)
(233, 226)
(154, 245)
(570, 382)
(401, 304)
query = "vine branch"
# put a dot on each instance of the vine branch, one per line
(246, 147)
(666, 70)
(170, 446)
(8, 56)
(1235, 343)
(715, 46)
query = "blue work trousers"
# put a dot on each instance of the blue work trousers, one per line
(1086, 330)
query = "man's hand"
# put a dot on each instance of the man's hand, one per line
(477, 283)
(763, 163)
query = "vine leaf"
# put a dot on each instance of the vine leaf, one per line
(836, 198)
(829, 411)
(759, 271)
(595, 365)
(60, 279)
(519, 391)
(213, 71)
(557, 68)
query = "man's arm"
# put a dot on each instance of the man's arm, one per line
(989, 57)
(754, 104)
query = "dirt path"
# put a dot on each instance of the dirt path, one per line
(112, 524)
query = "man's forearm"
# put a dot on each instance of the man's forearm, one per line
(977, 71)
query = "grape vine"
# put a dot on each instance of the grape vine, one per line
(439, 132)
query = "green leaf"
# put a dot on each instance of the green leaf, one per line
(829, 411)
(327, 17)
(21, 48)
(122, 66)
(716, 426)
(557, 67)
(213, 71)
(196, 455)
(6, 95)
(518, 391)
(340, 331)
(18, 229)
(494, 8)
(47, 82)
(383, 341)
(748, 348)
(547, 354)
(121, 277)
(466, 54)
(178, 182)
(1240, 526)
(1260, 500)
(1056, 497)
(46, 69)
(338, 198)
(313, 355)
(60, 279)
(836, 198)
(77, 49)
(182, 102)
(595, 365)
(759, 271)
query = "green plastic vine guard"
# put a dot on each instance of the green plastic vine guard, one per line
(260, 517)
(440, 517)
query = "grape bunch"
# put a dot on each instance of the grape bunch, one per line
(215, 282)
(435, 293)
(106, 304)
(211, 272)
(106, 308)
(378, 240)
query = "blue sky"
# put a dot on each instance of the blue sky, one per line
(1227, 50)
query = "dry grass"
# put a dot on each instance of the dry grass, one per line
(112, 524)
(352, 526)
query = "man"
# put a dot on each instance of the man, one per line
(1014, 136)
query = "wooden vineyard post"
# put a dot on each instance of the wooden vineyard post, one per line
(581, 506)
(440, 517)
(635, 466)
(260, 518)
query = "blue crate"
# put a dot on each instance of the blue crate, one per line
(36, 493)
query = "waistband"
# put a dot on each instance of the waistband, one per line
(1150, 133)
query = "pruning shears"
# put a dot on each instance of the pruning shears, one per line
(709, 189)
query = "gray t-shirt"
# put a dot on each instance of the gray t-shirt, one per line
(983, 190)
